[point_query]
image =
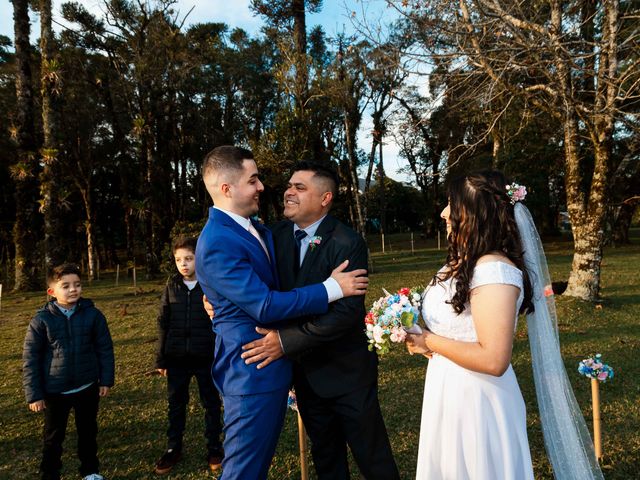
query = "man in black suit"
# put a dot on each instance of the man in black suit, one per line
(334, 373)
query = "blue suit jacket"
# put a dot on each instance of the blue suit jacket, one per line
(241, 283)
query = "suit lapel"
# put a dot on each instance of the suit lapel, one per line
(226, 220)
(324, 231)
(266, 235)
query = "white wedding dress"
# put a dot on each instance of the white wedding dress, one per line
(473, 425)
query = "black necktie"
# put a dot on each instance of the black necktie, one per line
(299, 234)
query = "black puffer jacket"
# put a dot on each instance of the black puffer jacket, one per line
(184, 328)
(62, 353)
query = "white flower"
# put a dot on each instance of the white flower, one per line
(378, 332)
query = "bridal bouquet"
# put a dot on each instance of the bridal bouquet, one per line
(392, 316)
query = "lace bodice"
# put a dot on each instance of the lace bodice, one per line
(442, 319)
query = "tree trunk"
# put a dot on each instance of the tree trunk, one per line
(300, 39)
(622, 222)
(151, 240)
(587, 219)
(27, 223)
(89, 230)
(353, 173)
(584, 280)
(383, 196)
(435, 173)
(54, 251)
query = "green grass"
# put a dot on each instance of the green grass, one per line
(133, 418)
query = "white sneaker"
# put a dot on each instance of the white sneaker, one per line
(93, 476)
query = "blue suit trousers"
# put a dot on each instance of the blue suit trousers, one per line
(247, 418)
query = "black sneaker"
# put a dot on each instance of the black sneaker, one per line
(168, 461)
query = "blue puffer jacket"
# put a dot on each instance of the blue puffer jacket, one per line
(62, 353)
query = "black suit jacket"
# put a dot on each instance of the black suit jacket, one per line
(330, 350)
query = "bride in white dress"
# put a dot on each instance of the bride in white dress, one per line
(473, 417)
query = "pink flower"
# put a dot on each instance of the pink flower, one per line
(516, 192)
(397, 335)
(520, 193)
(603, 375)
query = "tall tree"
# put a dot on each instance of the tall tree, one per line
(25, 172)
(561, 58)
(51, 91)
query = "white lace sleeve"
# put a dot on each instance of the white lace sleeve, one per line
(496, 272)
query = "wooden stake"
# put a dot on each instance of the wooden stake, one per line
(135, 286)
(438, 239)
(412, 250)
(597, 434)
(302, 442)
(382, 238)
(98, 268)
(117, 274)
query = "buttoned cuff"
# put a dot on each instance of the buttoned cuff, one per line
(334, 292)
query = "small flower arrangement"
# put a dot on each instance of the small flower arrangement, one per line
(292, 401)
(593, 367)
(391, 317)
(314, 242)
(516, 192)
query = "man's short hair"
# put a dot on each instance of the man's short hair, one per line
(322, 171)
(227, 159)
(56, 273)
(185, 242)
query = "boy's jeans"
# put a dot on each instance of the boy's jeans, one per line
(56, 414)
(178, 379)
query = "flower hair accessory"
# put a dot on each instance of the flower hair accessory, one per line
(314, 242)
(516, 192)
(594, 368)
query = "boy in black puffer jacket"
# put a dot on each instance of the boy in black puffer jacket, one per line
(185, 350)
(68, 363)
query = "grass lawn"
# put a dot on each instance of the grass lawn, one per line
(133, 418)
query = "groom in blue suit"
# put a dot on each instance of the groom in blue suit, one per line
(235, 265)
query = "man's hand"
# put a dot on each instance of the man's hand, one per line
(37, 406)
(162, 371)
(351, 283)
(264, 350)
(208, 307)
(103, 391)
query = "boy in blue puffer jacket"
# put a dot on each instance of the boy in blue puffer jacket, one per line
(68, 363)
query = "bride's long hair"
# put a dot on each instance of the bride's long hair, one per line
(482, 221)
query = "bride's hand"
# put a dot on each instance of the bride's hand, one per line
(417, 344)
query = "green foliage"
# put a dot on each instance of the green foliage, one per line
(189, 229)
(405, 206)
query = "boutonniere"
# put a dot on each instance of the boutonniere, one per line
(314, 242)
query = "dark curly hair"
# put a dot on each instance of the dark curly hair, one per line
(482, 221)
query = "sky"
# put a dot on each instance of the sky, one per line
(335, 17)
